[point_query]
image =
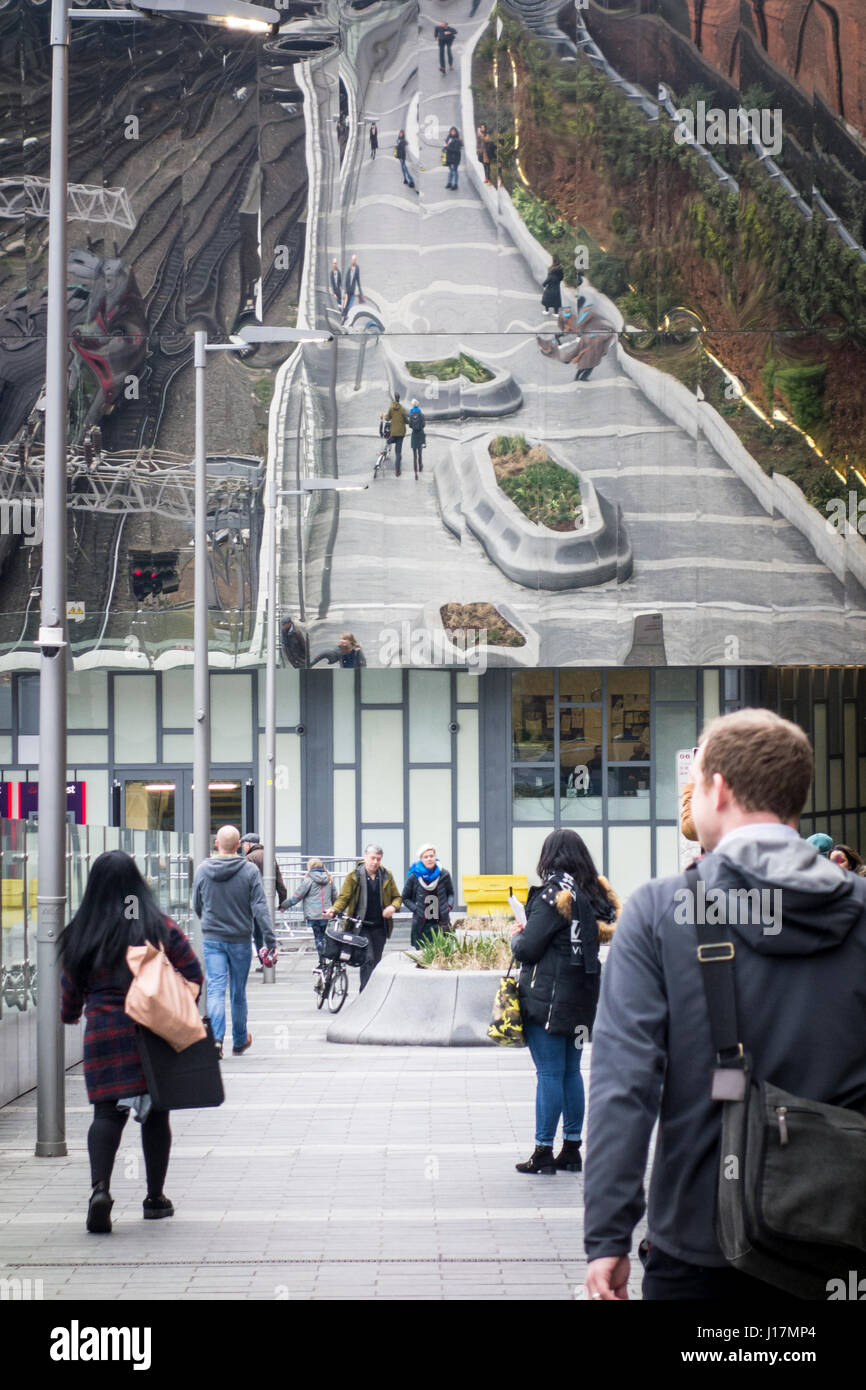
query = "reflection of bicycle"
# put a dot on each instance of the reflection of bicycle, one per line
(385, 432)
(342, 948)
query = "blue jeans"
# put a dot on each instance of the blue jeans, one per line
(406, 175)
(559, 1090)
(227, 962)
(319, 936)
(452, 176)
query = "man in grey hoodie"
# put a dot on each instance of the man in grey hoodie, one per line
(800, 952)
(228, 896)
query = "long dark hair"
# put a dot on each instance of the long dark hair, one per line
(564, 852)
(117, 910)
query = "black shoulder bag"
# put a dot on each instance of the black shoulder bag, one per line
(791, 1194)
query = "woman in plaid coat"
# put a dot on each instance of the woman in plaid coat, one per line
(117, 910)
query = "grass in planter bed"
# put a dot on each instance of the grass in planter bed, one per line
(546, 493)
(443, 951)
(449, 368)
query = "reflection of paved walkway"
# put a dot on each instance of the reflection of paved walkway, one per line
(331, 1171)
(438, 270)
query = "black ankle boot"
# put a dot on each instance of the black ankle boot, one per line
(568, 1160)
(99, 1210)
(541, 1161)
(154, 1208)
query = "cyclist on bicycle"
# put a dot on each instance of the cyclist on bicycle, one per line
(370, 894)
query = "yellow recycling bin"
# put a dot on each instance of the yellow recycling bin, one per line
(487, 895)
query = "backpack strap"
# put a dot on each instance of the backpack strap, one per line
(715, 952)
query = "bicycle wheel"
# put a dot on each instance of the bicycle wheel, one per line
(323, 988)
(339, 989)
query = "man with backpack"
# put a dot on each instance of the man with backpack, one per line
(418, 438)
(397, 418)
(783, 974)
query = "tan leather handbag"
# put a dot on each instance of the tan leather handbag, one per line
(161, 999)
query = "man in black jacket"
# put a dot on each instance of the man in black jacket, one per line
(798, 924)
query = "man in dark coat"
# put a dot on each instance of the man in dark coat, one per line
(370, 893)
(801, 1005)
(446, 34)
(352, 286)
(336, 282)
(251, 846)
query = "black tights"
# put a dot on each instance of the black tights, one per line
(103, 1141)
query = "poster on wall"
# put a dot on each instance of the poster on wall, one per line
(685, 759)
(76, 801)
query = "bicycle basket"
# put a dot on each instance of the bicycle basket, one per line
(345, 946)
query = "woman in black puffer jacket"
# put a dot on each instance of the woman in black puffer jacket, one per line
(558, 987)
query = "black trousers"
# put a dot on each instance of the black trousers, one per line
(376, 938)
(397, 440)
(666, 1277)
(103, 1141)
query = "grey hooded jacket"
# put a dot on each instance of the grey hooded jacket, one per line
(228, 894)
(317, 892)
(801, 1001)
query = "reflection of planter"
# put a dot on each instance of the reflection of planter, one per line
(457, 398)
(529, 554)
(482, 655)
(404, 1005)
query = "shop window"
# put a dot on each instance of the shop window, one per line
(532, 716)
(628, 697)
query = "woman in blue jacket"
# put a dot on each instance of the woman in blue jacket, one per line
(568, 916)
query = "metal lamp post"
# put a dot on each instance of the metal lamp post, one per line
(269, 822)
(53, 636)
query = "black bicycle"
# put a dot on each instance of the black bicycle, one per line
(342, 948)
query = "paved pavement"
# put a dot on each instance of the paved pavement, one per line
(330, 1172)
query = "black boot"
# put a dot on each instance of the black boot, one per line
(568, 1160)
(541, 1161)
(99, 1210)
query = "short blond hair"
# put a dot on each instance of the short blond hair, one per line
(766, 761)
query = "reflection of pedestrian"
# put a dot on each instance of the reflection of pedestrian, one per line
(551, 298)
(595, 340)
(352, 287)
(336, 282)
(400, 150)
(446, 34)
(398, 419)
(295, 644)
(347, 653)
(453, 150)
(374, 140)
(419, 438)
(489, 156)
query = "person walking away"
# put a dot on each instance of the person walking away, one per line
(429, 895)
(418, 439)
(317, 892)
(489, 156)
(798, 956)
(453, 149)
(228, 896)
(374, 140)
(352, 287)
(370, 893)
(95, 978)
(398, 419)
(567, 918)
(551, 299)
(336, 282)
(445, 34)
(252, 847)
(400, 150)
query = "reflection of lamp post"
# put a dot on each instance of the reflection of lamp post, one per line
(52, 640)
(269, 821)
(247, 337)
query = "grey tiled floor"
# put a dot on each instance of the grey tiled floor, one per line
(331, 1172)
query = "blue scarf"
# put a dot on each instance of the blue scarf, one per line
(426, 875)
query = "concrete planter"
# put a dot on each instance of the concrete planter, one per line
(405, 1005)
(457, 399)
(531, 555)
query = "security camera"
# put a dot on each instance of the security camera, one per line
(300, 729)
(453, 728)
